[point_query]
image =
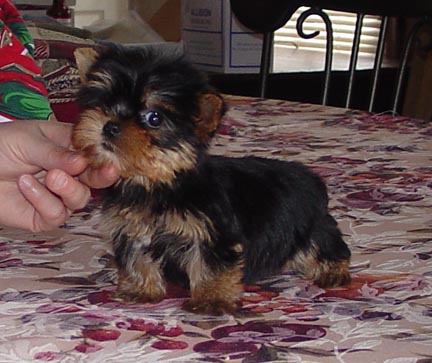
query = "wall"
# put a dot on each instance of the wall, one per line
(90, 11)
(162, 15)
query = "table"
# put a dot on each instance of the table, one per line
(56, 289)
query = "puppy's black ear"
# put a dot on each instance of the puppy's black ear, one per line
(85, 58)
(211, 110)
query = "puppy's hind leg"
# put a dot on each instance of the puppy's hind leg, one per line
(326, 260)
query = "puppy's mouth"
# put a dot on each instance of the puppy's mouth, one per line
(107, 146)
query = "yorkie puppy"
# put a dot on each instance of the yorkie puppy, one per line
(180, 214)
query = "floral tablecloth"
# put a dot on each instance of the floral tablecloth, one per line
(56, 289)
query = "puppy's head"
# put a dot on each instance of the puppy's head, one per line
(149, 113)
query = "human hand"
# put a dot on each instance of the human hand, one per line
(41, 180)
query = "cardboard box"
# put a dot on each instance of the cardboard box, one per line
(216, 41)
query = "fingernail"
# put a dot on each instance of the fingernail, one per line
(60, 181)
(73, 158)
(27, 182)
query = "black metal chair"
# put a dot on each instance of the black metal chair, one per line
(267, 16)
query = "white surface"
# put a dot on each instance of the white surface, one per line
(88, 12)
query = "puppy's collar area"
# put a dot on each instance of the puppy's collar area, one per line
(172, 185)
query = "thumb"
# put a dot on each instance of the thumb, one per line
(51, 156)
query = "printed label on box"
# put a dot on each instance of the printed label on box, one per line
(202, 15)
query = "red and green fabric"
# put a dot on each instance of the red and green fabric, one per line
(23, 93)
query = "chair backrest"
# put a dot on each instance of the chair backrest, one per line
(267, 16)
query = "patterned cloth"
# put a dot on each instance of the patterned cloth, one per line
(54, 54)
(23, 94)
(56, 289)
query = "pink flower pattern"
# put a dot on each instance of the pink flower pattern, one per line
(57, 300)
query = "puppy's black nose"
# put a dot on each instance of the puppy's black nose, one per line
(111, 129)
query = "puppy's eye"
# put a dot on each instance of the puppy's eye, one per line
(152, 118)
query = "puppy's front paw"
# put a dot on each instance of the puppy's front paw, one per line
(143, 285)
(208, 307)
(129, 290)
(139, 296)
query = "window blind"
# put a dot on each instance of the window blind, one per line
(343, 32)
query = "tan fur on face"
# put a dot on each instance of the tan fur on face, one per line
(87, 137)
(133, 151)
(161, 165)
